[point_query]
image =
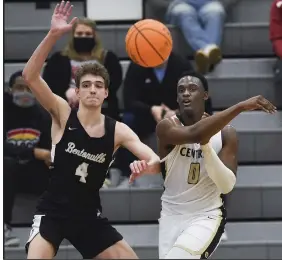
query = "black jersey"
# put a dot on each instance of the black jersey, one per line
(79, 169)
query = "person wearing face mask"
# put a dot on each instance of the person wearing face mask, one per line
(27, 144)
(83, 47)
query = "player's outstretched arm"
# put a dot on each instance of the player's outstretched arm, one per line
(222, 168)
(149, 161)
(32, 71)
(169, 133)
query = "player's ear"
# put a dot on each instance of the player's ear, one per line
(77, 91)
(106, 92)
(206, 95)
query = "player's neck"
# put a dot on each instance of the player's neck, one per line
(89, 117)
(190, 119)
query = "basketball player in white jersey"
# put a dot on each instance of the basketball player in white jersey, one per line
(83, 144)
(199, 164)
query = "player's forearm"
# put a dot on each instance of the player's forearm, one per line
(32, 69)
(223, 177)
(207, 127)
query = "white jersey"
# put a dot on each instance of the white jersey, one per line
(188, 188)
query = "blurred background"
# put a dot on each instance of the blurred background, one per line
(247, 35)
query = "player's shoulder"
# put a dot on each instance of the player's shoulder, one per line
(229, 130)
(168, 121)
(121, 129)
(165, 124)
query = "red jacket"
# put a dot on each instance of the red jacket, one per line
(275, 27)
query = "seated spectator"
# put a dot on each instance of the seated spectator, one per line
(149, 96)
(84, 46)
(275, 33)
(275, 27)
(27, 143)
(201, 23)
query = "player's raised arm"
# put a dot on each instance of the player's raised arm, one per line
(149, 161)
(31, 73)
(169, 133)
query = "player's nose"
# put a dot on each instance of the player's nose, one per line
(93, 89)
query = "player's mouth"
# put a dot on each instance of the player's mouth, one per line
(186, 102)
(92, 98)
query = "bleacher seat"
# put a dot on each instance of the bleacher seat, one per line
(239, 39)
(257, 190)
(233, 80)
(260, 241)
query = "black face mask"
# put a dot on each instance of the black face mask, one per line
(83, 44)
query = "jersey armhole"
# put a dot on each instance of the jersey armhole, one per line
(175, 147)
(169, 154)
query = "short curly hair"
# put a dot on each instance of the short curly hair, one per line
(14, 76)
(96, 69)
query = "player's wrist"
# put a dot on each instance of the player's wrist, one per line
(54, 34)
(241, 107)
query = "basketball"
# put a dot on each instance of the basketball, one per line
(148, 43)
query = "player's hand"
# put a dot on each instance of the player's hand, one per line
(72, 97)
(157, 112)
(137, 169)
(59, 22)
(258, 102)
(43, 155)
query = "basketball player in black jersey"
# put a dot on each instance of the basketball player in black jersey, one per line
(83, 144)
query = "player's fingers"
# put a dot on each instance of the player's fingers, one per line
(135, 168)
(267, 105)
(144, 165)
(261, 107)
(139, 166)
(72, 22)
(131, 168)
(69, 11)
(61, 7)
(56, 11)
(66, 8)
(131, 178)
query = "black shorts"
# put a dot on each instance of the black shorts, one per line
(90, 237)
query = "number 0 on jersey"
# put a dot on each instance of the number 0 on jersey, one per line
(194, 173)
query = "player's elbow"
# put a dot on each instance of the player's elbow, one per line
(229, 186)
(28, 76)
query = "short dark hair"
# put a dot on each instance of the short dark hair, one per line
(196, 75)
(14, 77)
(96, 69)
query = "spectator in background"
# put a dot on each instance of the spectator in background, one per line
(84, 46)
(149, 96)
(275, 28)
(27, 144)
(201, 22)
(275, 33)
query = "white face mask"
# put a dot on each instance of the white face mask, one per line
(23, 99)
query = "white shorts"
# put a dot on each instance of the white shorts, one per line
(199, 234)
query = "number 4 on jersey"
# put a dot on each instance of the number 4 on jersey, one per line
(81, 171)
(194, 173)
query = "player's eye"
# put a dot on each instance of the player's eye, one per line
(86, 85)
(193, 88)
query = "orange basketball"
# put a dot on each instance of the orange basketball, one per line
(148, 43)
